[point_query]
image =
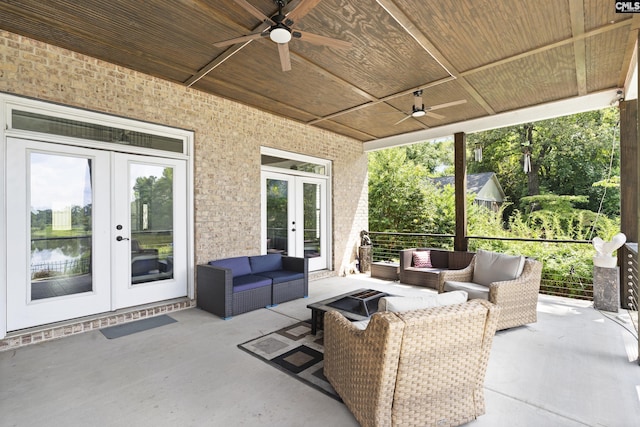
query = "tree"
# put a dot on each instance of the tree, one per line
(157, 195)
(568, 154)
(396, 192)
(435, 156)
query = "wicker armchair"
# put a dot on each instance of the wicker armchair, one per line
(518, 298)
(416, 368)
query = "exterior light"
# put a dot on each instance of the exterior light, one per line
(280, 35)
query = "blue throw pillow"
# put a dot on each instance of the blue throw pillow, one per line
(238, 265)
(262, 263)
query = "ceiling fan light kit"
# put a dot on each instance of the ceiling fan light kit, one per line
(418, 109)
(418, 112)
(281, 31)
(280, 35)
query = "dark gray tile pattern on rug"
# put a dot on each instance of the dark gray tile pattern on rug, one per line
(296, 351)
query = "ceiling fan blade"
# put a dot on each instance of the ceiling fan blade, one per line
(434, 115)
(252, 10)
(322, 40)
(402, 120)
(285, 58)
(236, 40)
(446, 105)
(302, 9)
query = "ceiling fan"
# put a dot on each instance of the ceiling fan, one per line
(419, 110)
(281, 30)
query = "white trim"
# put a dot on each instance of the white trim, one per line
(70, 113)
(9, 102)
(295, 156)
(327, 177)
(3, 227)
(590, 102)
(631, 82)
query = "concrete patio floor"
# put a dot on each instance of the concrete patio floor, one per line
(575, 367)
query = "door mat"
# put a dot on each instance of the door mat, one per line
(137, 326)
(295, 351)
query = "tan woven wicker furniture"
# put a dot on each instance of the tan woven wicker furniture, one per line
(416, 368)
(518, 298)
(441, 260)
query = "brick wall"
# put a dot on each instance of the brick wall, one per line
(228, 137)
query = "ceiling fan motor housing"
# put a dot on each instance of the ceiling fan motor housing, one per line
(280, 31)
(418, 112)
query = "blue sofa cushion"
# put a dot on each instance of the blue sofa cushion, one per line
(239, 265)
(280, 276)
(250, 281)
(262, 263)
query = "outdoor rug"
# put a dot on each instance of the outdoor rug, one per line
(297, 352)
(137, 326)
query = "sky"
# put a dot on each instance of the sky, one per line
(63, 180)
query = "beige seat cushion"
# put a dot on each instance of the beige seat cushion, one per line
(474, 290)
(494, 267)
(399, 304)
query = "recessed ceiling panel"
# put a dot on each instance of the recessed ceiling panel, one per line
(379, 120)
(384, 59)
(256, 68)
(533, 80)
(605, 54)
(229, 91)
(474, 33)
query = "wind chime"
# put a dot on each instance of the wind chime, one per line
(477, 152)
(526, 163)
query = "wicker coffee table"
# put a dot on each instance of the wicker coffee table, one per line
(354, 305)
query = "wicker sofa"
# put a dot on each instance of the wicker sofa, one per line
(441, 260)
(516, 292)
(423, 367)
(232, 286)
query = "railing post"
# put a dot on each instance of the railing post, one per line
(628, 190)
(460, 241)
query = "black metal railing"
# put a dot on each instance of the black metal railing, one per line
(60, 268)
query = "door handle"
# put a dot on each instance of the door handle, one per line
(120, 238)
(293, 229)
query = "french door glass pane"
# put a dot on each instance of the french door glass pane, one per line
(61, 225)
(277, 216)
(151, 190)
(312, 220)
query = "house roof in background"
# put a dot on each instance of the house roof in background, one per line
(476, 183)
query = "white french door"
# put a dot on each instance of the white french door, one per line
(295, 217)
(90, 231)
(149, 230)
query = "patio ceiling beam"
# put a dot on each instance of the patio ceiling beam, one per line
(576, 8)
(378, 101)
(405, 22)
(548, 47)
(630, 62)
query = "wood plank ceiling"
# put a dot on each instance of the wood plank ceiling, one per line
(496, 55)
